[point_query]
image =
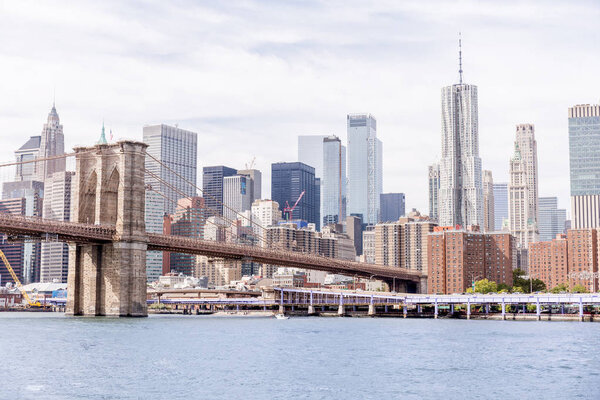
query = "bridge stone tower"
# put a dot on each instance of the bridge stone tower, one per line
(109, 279)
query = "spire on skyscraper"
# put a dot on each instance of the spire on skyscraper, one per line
(460, 70)
(102, 139)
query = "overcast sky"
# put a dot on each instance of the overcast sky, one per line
(249, 76)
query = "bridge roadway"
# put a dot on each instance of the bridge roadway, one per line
(17, 226)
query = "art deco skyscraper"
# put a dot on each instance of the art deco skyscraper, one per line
(52, 143)
(461, 194)
(523, 188)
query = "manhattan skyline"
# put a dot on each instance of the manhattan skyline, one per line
(299, 70)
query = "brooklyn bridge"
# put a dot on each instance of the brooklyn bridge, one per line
(108, 240)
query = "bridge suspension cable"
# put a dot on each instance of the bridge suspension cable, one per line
(232, 222)
(202, 191)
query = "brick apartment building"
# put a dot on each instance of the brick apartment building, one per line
(457, 257)
(570, 258)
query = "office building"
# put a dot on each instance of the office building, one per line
(434, 190)
(457, 258)
(57, 206)
(293, 183)
(176, 152)
(392, 206)
(237, 196)
(488, 202)
(584, 165)
(188, 221)
(29, 151)
(551, 219)
(354, 231)
(500, 206)
(212, 187)
(265, 213)
(461, 192)
(365, 167)
(368, 245)
(52, 143)
(256, 187)
(333, 181)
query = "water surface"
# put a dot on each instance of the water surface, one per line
(49, 356)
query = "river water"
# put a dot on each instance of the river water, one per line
(50, 356)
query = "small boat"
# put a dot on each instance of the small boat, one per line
(281, 316)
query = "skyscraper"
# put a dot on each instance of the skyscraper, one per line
(551, 218)
(29, 151)
(52, 143)
(488, 202)
(523, 188)
(500, 206)
(310, 152)
(461, 193)
(177, 150)
(288, 181)
(57, 206)
(365, 167)
(392, 206)
(584, 147)
(256, 187)
(333, 181)
(434, 190)
(212, 187)
(237, 196)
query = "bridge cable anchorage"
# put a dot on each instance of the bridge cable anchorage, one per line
(233, 223)
(202, 191)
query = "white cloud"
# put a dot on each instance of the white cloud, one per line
(250, 76)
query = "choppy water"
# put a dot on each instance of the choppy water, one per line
(49, 356)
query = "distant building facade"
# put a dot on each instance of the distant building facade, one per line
(365, 167)
(333, 181)
(584, 165)
(392, 206)
(551, 219)
(489, 223)
(434, 191)
(500, 206)
(212, 187)
(288, 181)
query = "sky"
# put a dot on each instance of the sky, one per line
(250, 76)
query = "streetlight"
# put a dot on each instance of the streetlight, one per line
(473, 280)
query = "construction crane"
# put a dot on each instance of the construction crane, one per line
(251, 165)
(289, 211)
(30, 303)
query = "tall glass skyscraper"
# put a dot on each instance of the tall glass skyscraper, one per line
(212, 187)
(551, 218)
(393, 206)
(434, 190)
(333, 181)
(500, 206)
(288, 181)
(365, 167)
(584, 148)
(177, 149)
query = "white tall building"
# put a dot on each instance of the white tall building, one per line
(333, 181)
(461, 192)
(365, 168)
(488, 202)
(523, 188)
(265, 213)
(237, 196)
(177, 149)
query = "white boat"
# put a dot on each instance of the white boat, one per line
(281, 316)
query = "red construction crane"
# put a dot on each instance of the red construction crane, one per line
(289, 211)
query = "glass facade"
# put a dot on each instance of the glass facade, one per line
(288, 181)
(365, 167)
(584, 155)
(500, 205)
(392, 206)
(176, 148)
(212, 187)
(333, 182)
(551, 218)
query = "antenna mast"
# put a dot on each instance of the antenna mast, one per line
(460, 71)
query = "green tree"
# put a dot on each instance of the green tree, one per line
(579, 289)
(563, 287)
(517, 289)
(485, 286)
(527, 285)
(503, 287)
(538, 285)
